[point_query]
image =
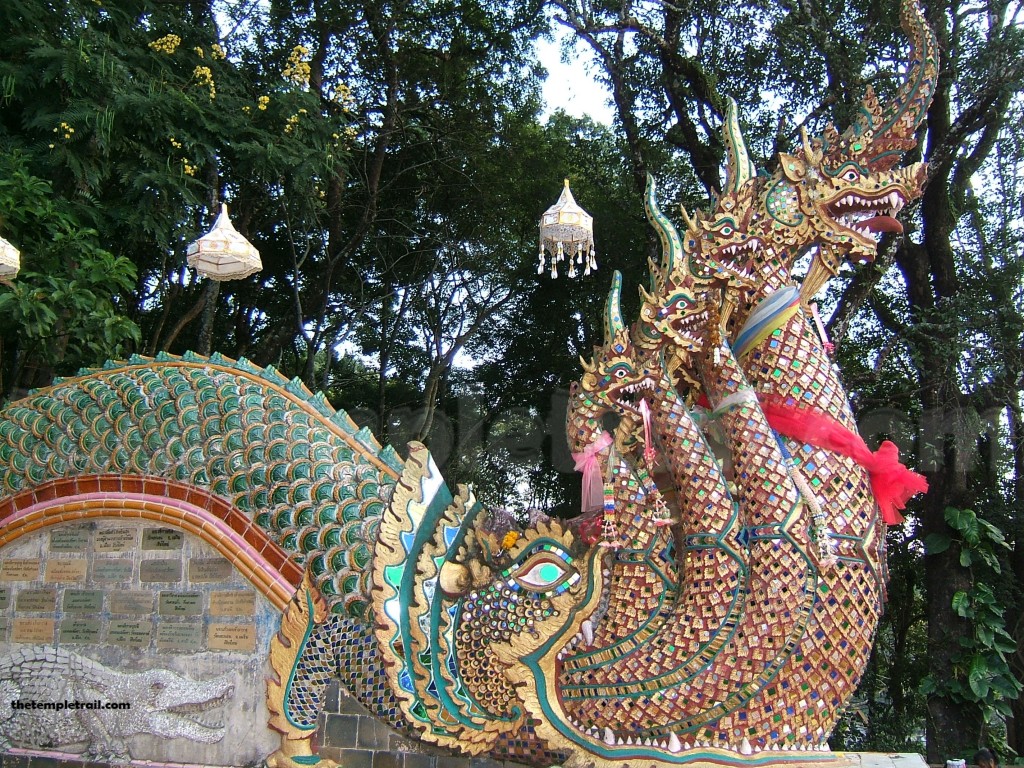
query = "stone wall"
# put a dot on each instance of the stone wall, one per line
(126, 611)
(350, 735)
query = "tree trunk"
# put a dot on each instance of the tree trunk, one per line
(953, 728)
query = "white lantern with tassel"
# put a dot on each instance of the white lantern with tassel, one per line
(567, 233)
(223, 253)
(10, 261)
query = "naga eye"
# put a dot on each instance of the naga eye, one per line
(620, 373)
(542, 575)
(547, 571)
(727, 230)
(850, 175)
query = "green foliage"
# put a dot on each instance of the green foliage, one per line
(983, 675)
(67, 306)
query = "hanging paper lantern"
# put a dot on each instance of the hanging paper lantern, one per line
(10, 261)
(567, 233)
(223, 253)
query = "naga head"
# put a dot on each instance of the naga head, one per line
(616, 377)
(715, 254)
(840, 193)
(470, 614)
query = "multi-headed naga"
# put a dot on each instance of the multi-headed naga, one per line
(716, 601)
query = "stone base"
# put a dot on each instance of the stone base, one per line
(885, 760)
(398, 755)
(420, 757)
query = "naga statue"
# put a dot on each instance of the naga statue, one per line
(714, 602)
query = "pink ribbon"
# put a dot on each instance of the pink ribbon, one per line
(593, 483)
(828, 345)
(649, 452)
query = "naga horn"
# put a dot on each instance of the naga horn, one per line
(880, 137)
(739, 168)
(671, 245)
(613, 323)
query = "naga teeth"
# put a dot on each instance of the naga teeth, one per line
(588, 631)
(674, 745)
(609, 737)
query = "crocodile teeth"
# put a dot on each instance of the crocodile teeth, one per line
(674, 745)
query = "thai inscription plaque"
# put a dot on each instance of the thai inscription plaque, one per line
(160, 570)
(163, 539)
(65, 569)
(201, 570)
(36, 600)
(20, 569)
(79, 631)
(69, 539)
(129, 633)
(231, 637)
(119, 569)
(181, 603)
(234, 603)
(114, 540)
(131, 601)
(184, 637)
(83, 601)
(32, 630)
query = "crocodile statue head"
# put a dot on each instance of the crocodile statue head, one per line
(157, 701)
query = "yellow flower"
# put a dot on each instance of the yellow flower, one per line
(509, 540)
(297, 69)
(217, 53)
(204, 76)
(199, 51)
(167, 44)
(188, 168)
(247, 109)
(261, 103)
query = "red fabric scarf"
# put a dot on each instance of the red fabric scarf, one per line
(891, 482)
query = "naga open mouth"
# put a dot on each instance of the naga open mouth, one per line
(867, 217)
(687, 330)
(737, 260)
(731, 265)
(628, 396)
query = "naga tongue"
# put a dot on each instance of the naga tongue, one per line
(881, 224)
